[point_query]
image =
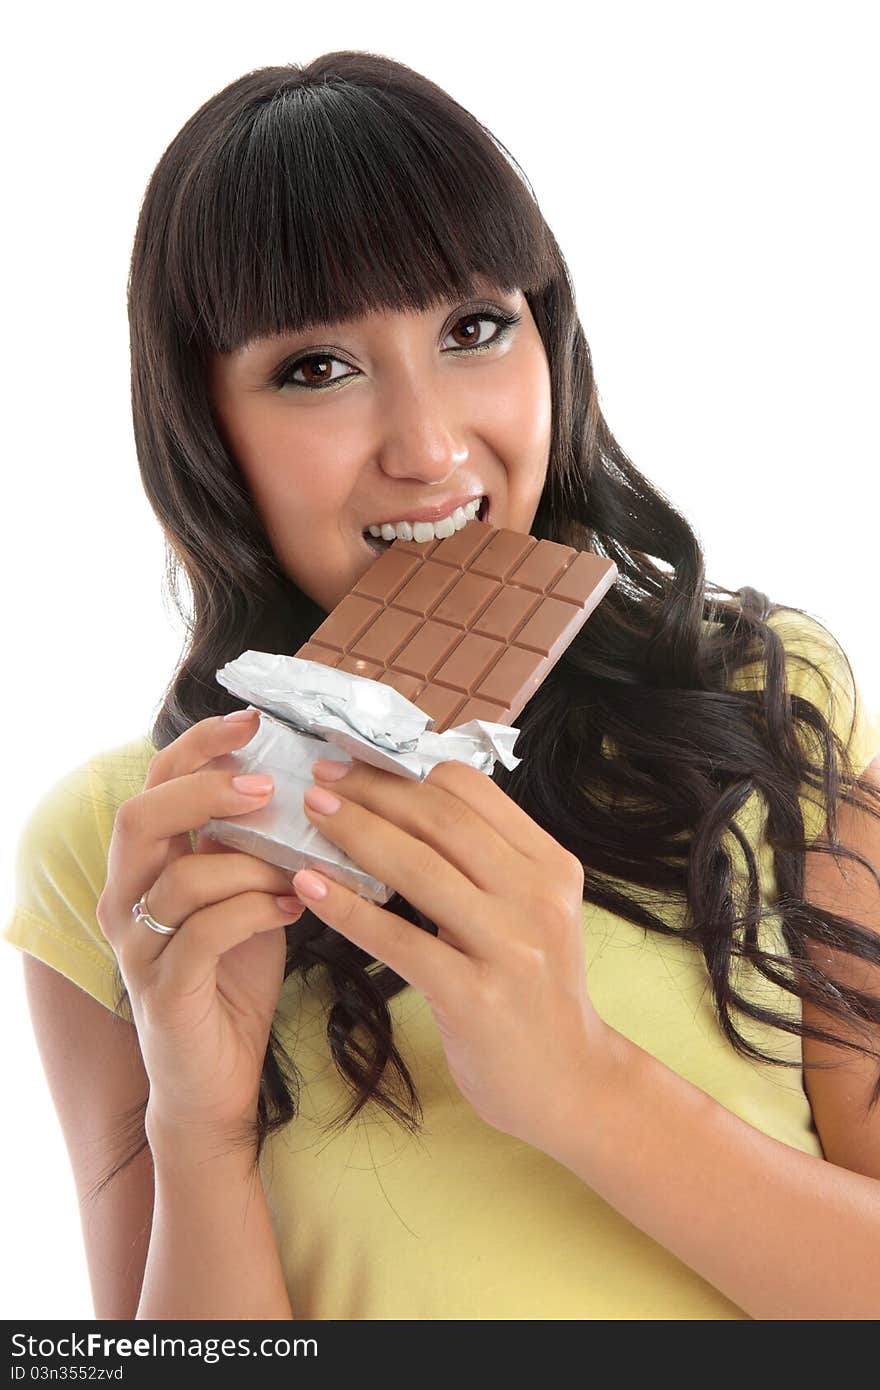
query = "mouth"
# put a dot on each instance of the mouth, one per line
(376, 545)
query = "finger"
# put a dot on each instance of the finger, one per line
(411, 867)
(146, 823)
(430, 965)
(510, 822)
(191, 750)
(197, 745)
(189, 959)
(438, 817)
(186, 886)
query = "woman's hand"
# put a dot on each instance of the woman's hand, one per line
(203, 998)
(505, 977)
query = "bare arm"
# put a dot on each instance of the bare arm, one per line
(783, 1234)
(176, 1234)
(96, 1078)
(212, 1251)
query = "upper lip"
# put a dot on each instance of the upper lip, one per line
(435, 513)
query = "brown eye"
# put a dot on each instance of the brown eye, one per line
(317, 372)
(473, 333)
(312, 368)
(470, 333)
(317, 366)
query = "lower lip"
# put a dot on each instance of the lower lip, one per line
(375, 550)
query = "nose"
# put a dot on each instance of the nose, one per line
(420, 438)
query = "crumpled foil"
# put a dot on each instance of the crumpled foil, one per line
(308, 711)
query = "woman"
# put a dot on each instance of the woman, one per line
(613, 1064)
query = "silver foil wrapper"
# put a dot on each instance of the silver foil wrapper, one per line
(308, 711)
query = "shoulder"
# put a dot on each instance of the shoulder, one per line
(805, 642)
(82, 801)
(118, 773)
(61, 865)
(64, 839)
(818, 669)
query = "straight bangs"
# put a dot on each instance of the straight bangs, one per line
(320, 205)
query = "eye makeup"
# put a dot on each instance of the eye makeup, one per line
(504, 321)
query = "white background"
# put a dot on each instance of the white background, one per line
(709, 172)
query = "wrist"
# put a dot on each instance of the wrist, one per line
(580, 1138)
(178, 1145)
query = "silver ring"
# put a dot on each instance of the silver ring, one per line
(140, 914)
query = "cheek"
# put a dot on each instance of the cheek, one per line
(296, 487)
(525, 403)
(538, 393)
(529, 421)
(293, 473)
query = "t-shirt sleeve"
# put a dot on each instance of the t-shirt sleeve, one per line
(836, 691)
(60, 871)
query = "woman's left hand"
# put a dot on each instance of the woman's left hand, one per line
(505, 977)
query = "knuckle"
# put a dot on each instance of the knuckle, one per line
(113, 923)
(129, 817)
(451, 774)
(156, 768)
(423, 860)
(525, 958)
(450, 815)
(352, 910)
(102, 916)
(398, 934)
(486, 991)
(268, 877)
(573, 873)
(551, 906)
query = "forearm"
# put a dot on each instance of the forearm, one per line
(212, 1249)
(783, 1234)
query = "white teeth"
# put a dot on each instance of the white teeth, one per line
(428, 530)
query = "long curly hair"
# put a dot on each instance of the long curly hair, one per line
(352, 184)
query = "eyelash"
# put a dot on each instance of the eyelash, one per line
(283, 376)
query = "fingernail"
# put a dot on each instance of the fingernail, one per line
(323, 802)
(290, 904)
(253, 784)
(329, 771)
(239, 715)
(308, 885)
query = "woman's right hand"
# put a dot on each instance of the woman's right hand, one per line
(202, 999)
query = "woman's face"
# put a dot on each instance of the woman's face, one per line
(414, 428)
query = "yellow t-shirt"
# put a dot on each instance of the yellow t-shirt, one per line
(460, 1222)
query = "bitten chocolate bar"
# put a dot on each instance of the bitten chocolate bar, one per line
(466, 627)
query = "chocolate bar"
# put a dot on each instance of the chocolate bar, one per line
(466, 627)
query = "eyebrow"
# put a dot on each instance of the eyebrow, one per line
(328, 325)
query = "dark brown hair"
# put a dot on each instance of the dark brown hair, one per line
(353, 184)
